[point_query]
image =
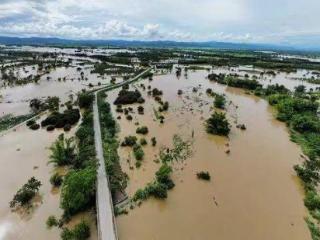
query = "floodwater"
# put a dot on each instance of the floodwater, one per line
(25, 153)
(253, 193)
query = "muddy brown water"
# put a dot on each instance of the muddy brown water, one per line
(25, 153)
(254, 192)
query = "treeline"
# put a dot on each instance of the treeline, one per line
(117, 178)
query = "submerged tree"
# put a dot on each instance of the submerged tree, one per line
(218, 124)
(62, 151)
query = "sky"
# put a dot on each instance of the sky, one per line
(283, 22)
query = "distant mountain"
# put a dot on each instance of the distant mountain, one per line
(38, 41)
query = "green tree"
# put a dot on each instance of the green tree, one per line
(218, 124)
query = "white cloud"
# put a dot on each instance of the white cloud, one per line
(273, 21)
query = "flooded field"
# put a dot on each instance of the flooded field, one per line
(253, 194)
(25, 153)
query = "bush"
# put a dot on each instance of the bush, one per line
(52, 222)
(81, 231)
(204, 175)
(78, 190)
(218, 124)
(129, 141)
(138, 152)
(34, 126)
(56, 180)
(128, 97)
(50, 128)
(142, 130)
(219, 101)
(67, 128)
(26, 192)
(59, 120)
(62, 151)
(143, 142)
(153, 141)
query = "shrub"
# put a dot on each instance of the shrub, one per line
(62, 151)
(128, 97)
(153, 141)
(56, 180)
(219, 101)
(218, 124)
(67, 128)
(34, 126)
(50, 128)
(81, 231)
(129, 117)
(26, 192)
(129, 141)
(141, 110)
(204, 175)
(52, 221)
(143, 141)
(138, 152)
(142, 130)
(78, 190)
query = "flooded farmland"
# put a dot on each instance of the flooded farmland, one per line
(254, 192)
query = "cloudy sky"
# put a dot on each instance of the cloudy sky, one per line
(290, 22)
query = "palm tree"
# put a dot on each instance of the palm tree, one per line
(62, 151)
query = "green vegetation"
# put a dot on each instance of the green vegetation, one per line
(9, 121)
(129, 141)
(52, 222)
(117, 178)
(56, 180)
(204, 175)
(218, 124)
(80, 232)
(234, 81)
(163, 182)
(85, 100)
(219, 101)
(62, 151)
(128, 97)
(138, 152)
(142, 130)
(26, 193)
(78, 190)
(60, 120)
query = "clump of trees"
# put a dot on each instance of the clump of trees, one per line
(129, 141)
(60, 120)
(142, 130)
(25, 194)
(218, 124)
(128, 97)
(78, 190)
(85, 100)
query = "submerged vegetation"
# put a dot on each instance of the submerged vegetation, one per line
(218, 124)
(26, 193)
